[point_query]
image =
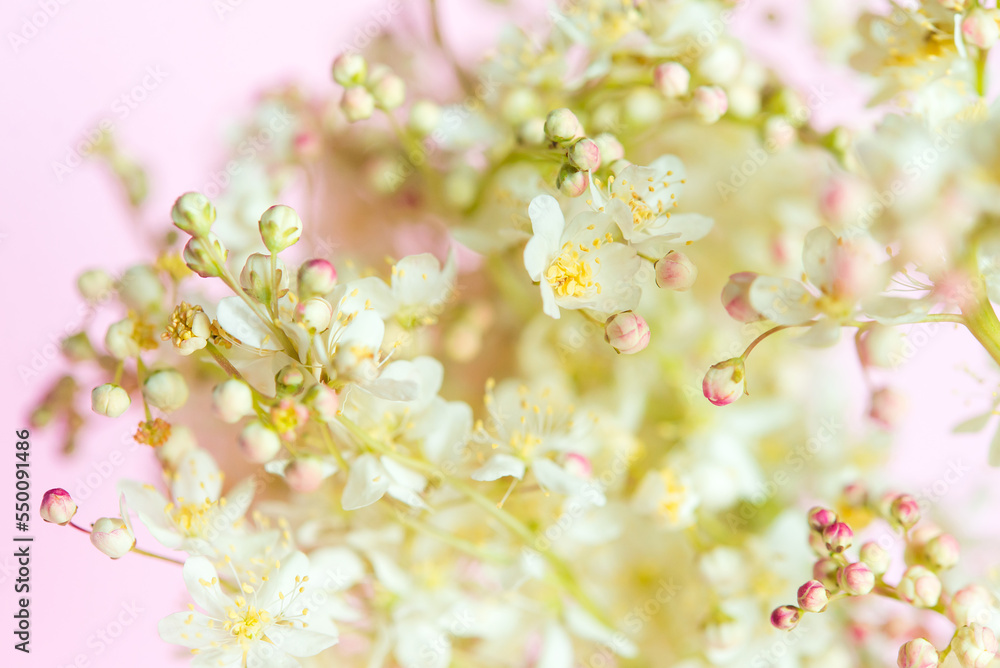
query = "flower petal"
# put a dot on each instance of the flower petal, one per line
(367, 482)
(782, 300)
(499, 466)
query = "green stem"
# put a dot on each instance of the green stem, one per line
(983, 324)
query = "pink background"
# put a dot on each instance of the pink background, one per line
(61, 83)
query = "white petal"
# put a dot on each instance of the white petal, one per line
(265, 655)
(557, 650)
(554, 478)
(549, 305)
(499, 466)
(199, 575)
(782, 300)
(406, 477)
(301, 642)
(823, 334)
(197, 478)
(191, 629)
(584, 625)
(150, 506)
(818, 258)
(336, 568)
(546, 218)
(422, 644)
(366, 483)
(238, 320)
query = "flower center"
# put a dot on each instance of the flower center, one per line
(570, 274)
(191, 518)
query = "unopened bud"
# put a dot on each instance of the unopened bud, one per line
(58, 507)
(825, 570)
(736, 297)
(232, 400)
(562, 126)
(357, 104)
(389, 91)
(571, 181)
(314, 314)
(256, 281)
(259, 443)
(141, 290)
(350, 69)
(166, 390)
(725, 382)
(316, 278)
(813, 596)
(289, 380)
(95, 285)
(113, 536)
(120, 340)
(627, 332)
(424, 117)
(975, 646)
(280, 227)
(324, 401)
(980, 29)
(838, 537)
(969, 604)
(904, 511)
(856, 579)
(887, 407)
(880, 346)
(876, 557)
(610, 148)
(919, 587)
(675, 271)
(206, 255)
(917, 653)
(193, 213)
(941, 552)
(110, 400)
(786, 617)
(305, 475)
(710, 103)
(585, 155)
(671, 79)
(820, 518)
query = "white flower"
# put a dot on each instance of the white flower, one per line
(262, 627)
(641, 202)
(373, 477)
(579, 266)
(527, 429)
(196, 517)
(667, 497)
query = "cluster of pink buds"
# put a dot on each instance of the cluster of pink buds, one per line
(834, 574)
(928, 552)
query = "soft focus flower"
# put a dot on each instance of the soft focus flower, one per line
(920, 587)
(265, 624)
(232, 400)
(165, 389)
(113, 535)
(671, 79)
(710, 103)
(974, 645)
(675, 271)
(736, 297)
(875, 557)
(918, 653)
(110, 400)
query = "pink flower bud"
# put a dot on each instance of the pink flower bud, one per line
(972, 603)
(855, 495)
(919, 587)
(856, 579)
(980, 29)
(817, 544)
(820, 518)
(887, 407)
(305, 475)
(357, 103)
(112, 536)
(585, 155)
(562, 126)
(710, 103)
(675, 271)
(838, 537)
(316, 279)
(736, 297)
(975, 646)
(259, 443)
(627, 332)
(324, 401)
(57, 507)
(880, 346)
(917, 653)
(876, 557)
(904, 511)
(671, 79)
(825, 570)
(578, 465)
(725, 382)
(813, 596)
(941, 552)
(786, 617)
(571, 181)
